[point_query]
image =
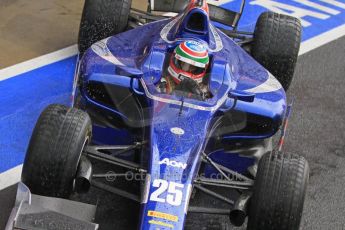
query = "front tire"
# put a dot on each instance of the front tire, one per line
(102, 19)
(279, 192)
(54, 151)
(276, 45)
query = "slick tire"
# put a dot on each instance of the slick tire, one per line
(54, 151)
(279, 192)
(101, 19)
(276, 44)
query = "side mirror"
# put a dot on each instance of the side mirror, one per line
(135, 83)
(241, 95)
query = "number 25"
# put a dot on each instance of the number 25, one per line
(174, 196)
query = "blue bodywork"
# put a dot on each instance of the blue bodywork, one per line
(116, 85)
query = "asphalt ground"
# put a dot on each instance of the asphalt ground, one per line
(29, 29)
(316, 131)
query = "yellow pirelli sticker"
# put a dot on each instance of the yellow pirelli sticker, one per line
(162, 215)
(161, 223)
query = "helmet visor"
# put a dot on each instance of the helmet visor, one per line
(186, 67)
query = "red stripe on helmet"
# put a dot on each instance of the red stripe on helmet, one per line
(185, 73)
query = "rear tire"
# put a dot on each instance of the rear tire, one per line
(54, 151)
(279, 192)
(102, 19)
(276, 44)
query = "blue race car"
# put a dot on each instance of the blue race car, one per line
(185, 103)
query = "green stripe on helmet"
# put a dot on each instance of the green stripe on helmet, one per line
(191, 59)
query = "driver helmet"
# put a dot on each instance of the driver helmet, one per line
(190, 59)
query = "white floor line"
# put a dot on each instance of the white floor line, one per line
(38, 62)
(12, 176)
(322, 39)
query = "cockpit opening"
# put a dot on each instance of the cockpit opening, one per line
(196, 22)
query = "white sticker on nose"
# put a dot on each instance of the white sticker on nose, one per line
(177, 131)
